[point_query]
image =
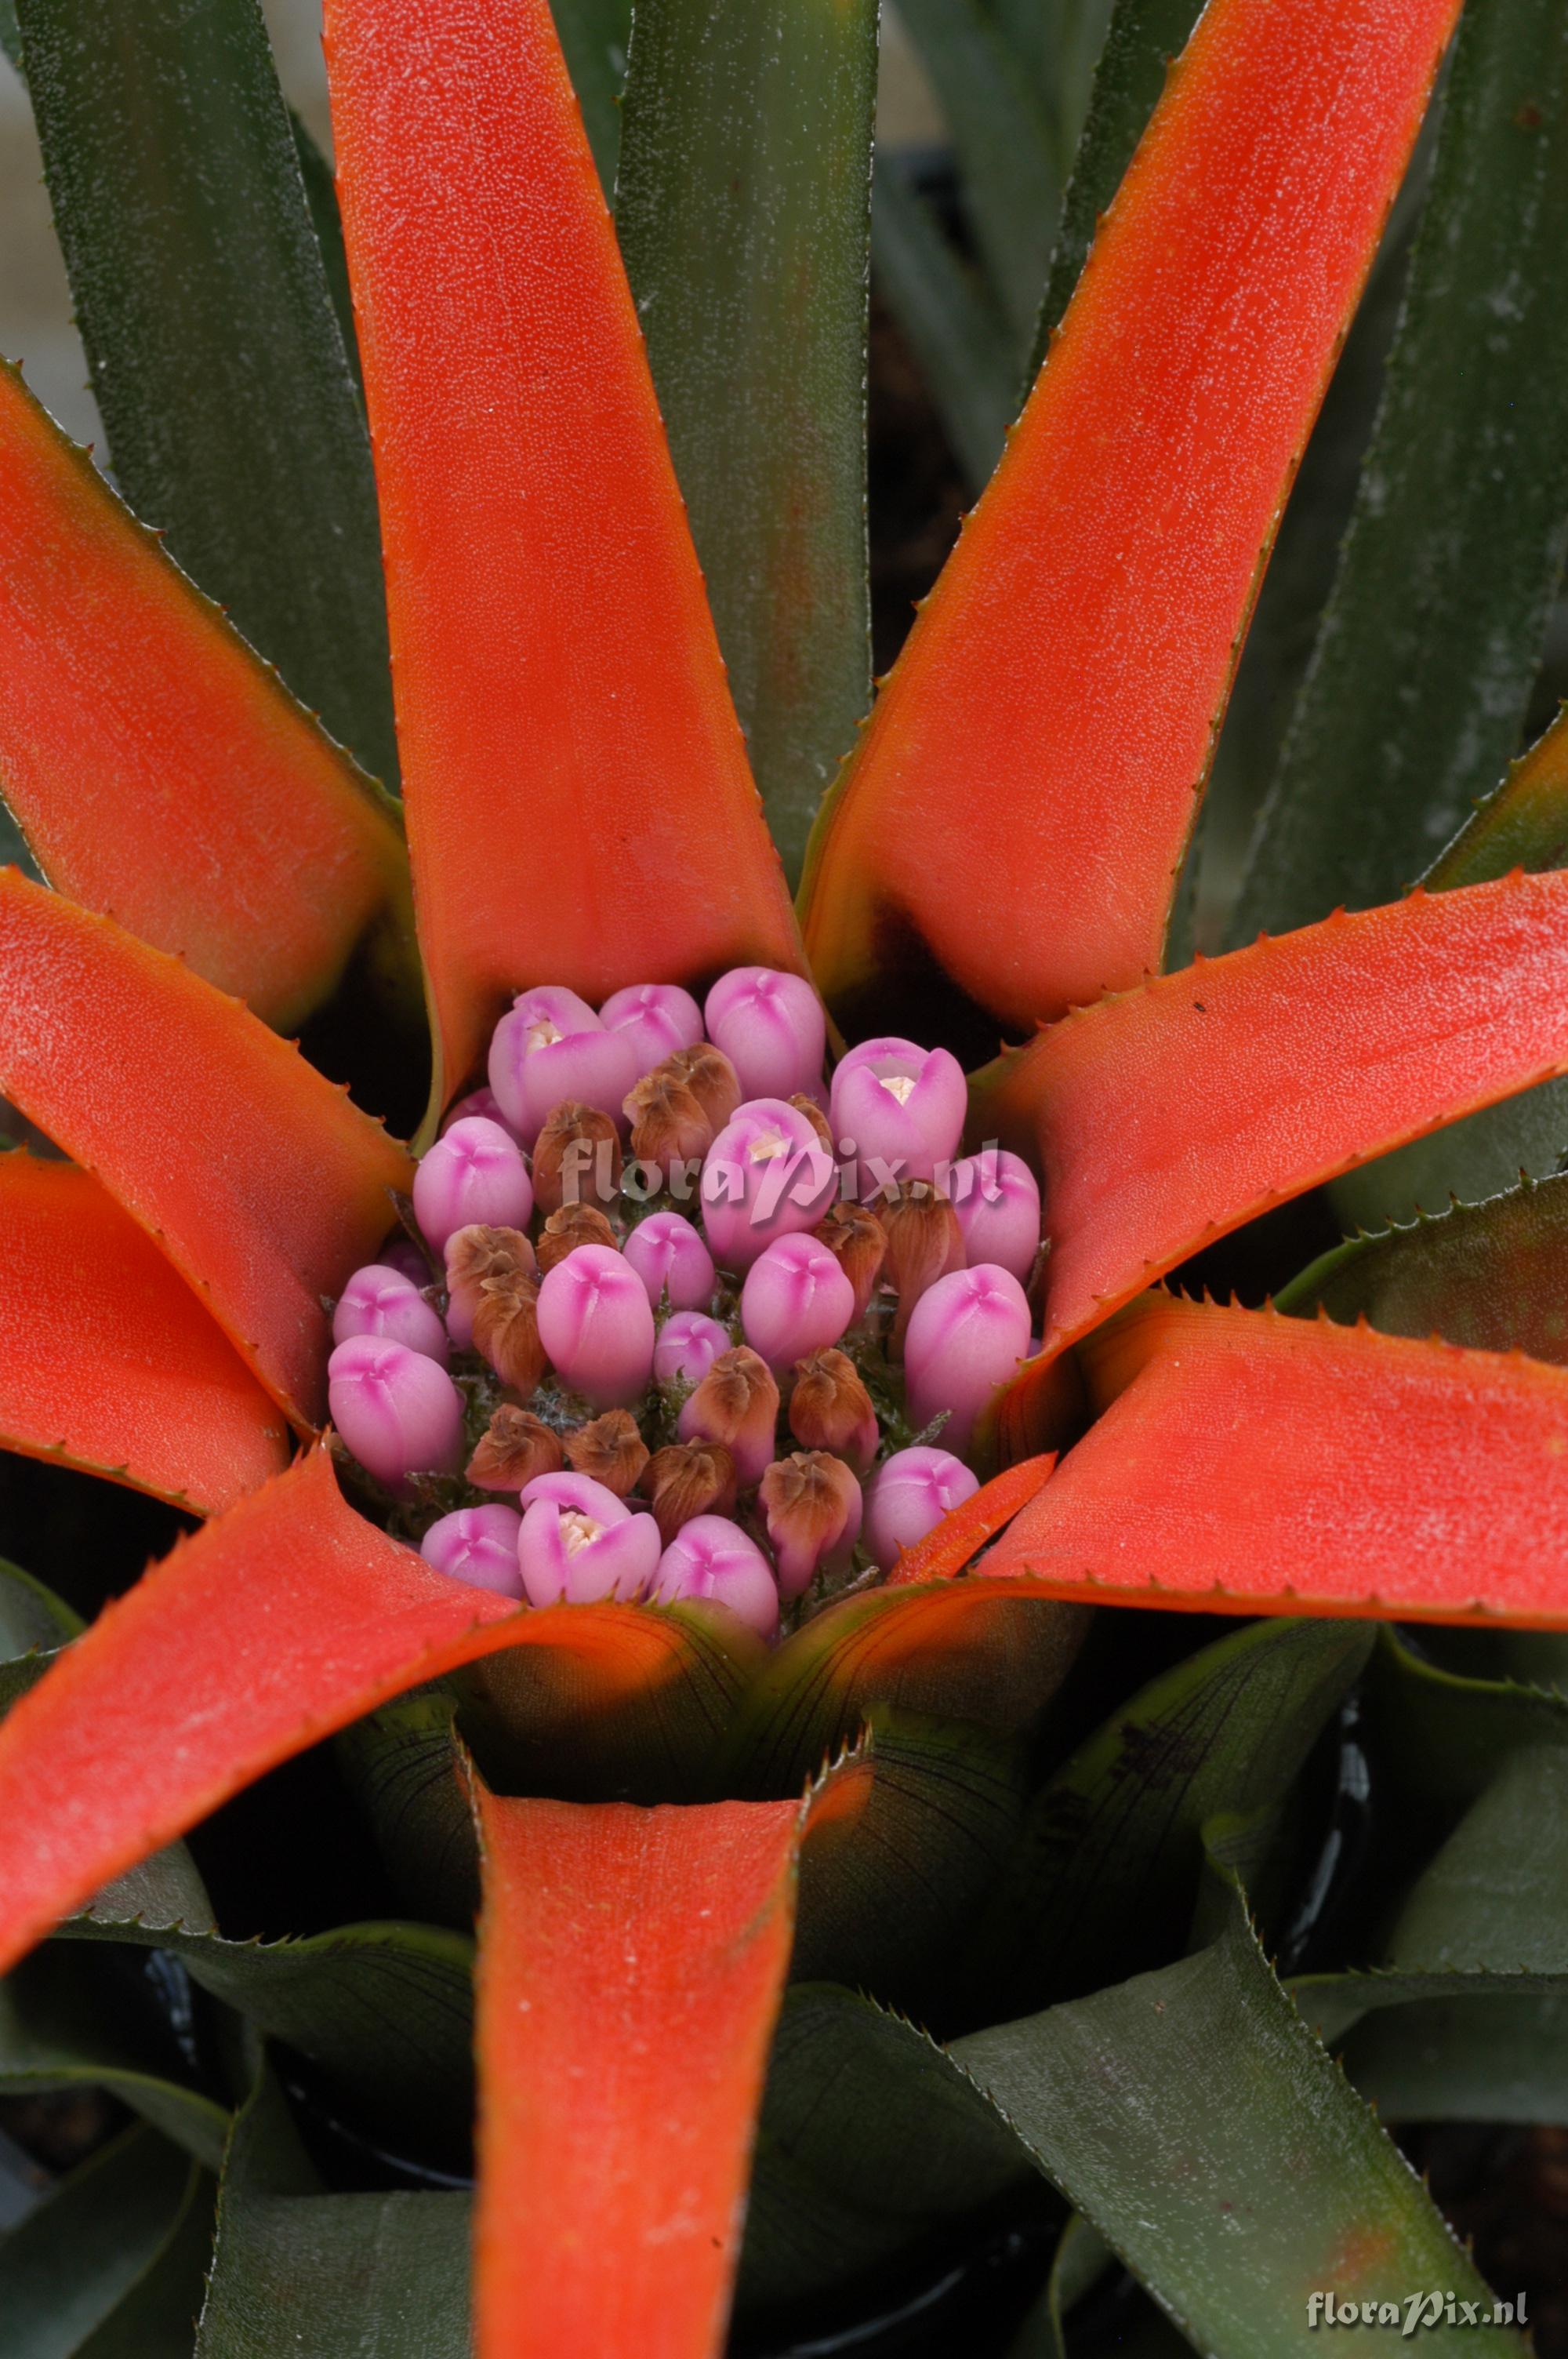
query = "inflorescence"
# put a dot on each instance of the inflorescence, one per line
(672, 1318)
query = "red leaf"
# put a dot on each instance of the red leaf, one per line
(958, 1536)
(159, 769)
(630, 1970)
(261, 1182)
(1162, 1119)
(1249, 1462)
(278, 1623)
(1022, 798)
(107, 1359)
(579, 808)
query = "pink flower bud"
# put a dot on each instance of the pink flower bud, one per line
(997, 1204)
(476, 1173)
(398, 1412)
(479, 1102)
(597, 1326)
(903, 1105)
(551, 1046)
(687, 1346)
(579, 1544)
(813, 1506)
(658, 1018)
(381, 1301)
(714, 1560)
(409, 1260)
(795, 1299)
(480, 1545)
(767, 1175)
(668, 1255)
(967, 1335)
(772, 1028)
(908, 1497)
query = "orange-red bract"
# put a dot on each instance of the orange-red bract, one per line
(1020, 802)
(1163, 1118)
(1249, 1462)
(260, 1180)
(947, 1550)
(107, 1359)
(577, 798)
(630, 1970)
(159, 769)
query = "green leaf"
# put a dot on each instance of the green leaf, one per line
(157, 2319)
(231, 413)
(403, 1765)
(1476, 2060)
(742, 206)
(594, 37)
(1195, 2121)
(1003, 137)
(1140, 39)
(384, 2011)
(69, 2263)
(1057, 43)
(1430, 643)
(1444, 1737)
(906, 1836)
(949, 318)
(383, 2276)
(31, 1615)
(868, 2139)
(10, 33)
(1110, 1857)
(66, 2022)
(1492, 1276)
(321, 198)
(989, 1652)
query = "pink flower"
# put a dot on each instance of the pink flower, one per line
(658, 1019)
(795, 1299)
(903, 1105)
(812, 1505)
(398, 1412)
(597, 1326)
(997, 1204)
(409, 1260)
(669, 1256)
(766, 1175)
(909, 1496)
(379, 1300)
(772, 1028)
(551, 1046)
(478, 1544)
(579, 1544)
(479, 1102)
(965, 1336)
(712, 1559)
(476, 1173)
(687, 1346)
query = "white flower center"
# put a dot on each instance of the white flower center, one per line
(577, 1529)
(898, 1085)
(541, 1034)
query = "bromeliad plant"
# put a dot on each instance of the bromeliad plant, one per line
(700, 1375)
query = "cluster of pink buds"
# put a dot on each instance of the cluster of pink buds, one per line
(675, 1318)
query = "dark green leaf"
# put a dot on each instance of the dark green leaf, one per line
(868, 2139)
(384, 2277)
(742, 205)
(1003, 139)
(1478, 2059)
(231, 413)
(594, 37)
(1142, 35)
(385, 2013)
(1493, 1275)
(321, 197)
(403, 1766)
(65, 2022)
(69, 2264)
(1057, 43)
(10, 33)
(949, 318)
(1192, 2118)
(31, 1615)
(1429, 647)
(1104, 1876)
(906, 1836)
(157, 2318)
(1444, 1737)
